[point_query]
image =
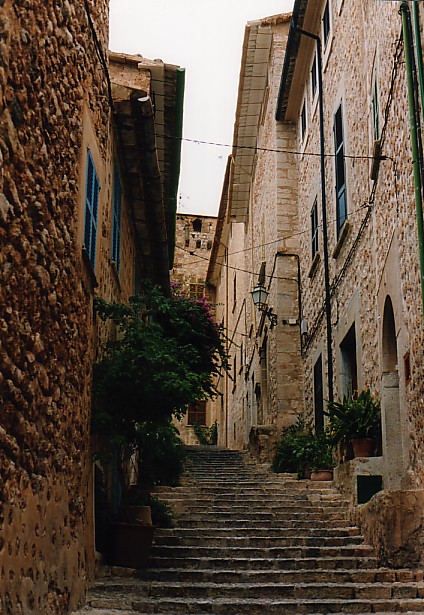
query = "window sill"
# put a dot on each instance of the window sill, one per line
(343, 234)
(89, 269)
(314, 266)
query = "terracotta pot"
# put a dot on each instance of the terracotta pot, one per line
(131, 544)
(322, 475)
(143, 514)
(363, 447)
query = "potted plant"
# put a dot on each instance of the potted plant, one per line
(356, 421)
(322, 460)
(293, 450)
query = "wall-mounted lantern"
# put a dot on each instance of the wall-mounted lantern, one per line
(260, 300)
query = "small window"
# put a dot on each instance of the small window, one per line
(197, 225)
(116, 219)
(303, 122)
(314, 77)
(314, 228)
(235, 289)
(326, 23)
(341, 205)
(198, 243)
(318, 395)
(209, 244)
(197, 291)
(197, 413)
(92, 189)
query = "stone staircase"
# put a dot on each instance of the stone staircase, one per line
(247, 541)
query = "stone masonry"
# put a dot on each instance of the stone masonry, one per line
(48, 72)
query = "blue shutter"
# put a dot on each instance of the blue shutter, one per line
(91, 208)
(341, 205)
(116, 219)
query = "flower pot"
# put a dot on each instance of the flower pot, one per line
(363, 447)
(131, 544)
(141, 514)
(322, 475)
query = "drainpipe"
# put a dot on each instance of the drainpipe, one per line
(413, 115)
(324, 215)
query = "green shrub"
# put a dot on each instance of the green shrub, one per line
(207, 436)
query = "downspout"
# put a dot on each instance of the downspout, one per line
(411, 81)
(324, 217)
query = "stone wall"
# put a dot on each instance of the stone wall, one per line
(48, 72)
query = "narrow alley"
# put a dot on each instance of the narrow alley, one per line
(248, 541)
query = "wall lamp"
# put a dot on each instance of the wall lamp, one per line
(260, 300)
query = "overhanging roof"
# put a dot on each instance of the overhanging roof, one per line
(252, 84)
(253, 81)
(290, 58)
(148, 119)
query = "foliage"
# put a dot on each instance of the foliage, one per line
(288, 452)
(321, 452)
(300, 448)
(357, 416)
(207, 436)
(161, 454)
(166, 354)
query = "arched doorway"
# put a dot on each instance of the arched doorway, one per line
(393, 449)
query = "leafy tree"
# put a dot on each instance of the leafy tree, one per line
(166, 354)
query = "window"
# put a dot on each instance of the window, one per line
(314, 228)
(197, 291)
(235, 290)
(341, 206)
(197, 413)
(187, 235)
(326, 23)
(198, 243)
(314, 77)
(375, 113)
(318, 395)
(349, 371)
(197, 225)
(92, 189)
(209, 244)
(303, 121)
(116, 219)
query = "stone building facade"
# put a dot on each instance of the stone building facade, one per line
(193, 245)
(72, 225)
(372, 335)
(263, 391)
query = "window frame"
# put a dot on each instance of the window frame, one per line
(326, 24)
(303, 123)
(116, 219)
(91, 209)
(340, 170)
(314, 228)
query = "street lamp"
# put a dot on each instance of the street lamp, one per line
(260, 300)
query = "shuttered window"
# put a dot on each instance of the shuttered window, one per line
(116, 219)
(341, 205)
(91, 209)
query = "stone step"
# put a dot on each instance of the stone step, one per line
(261, 542)
(267, 532)
(258, 606)
(264, 563)
(252, 552)
(209, 575)
(272, 509)
(253, 516)
(188, 522)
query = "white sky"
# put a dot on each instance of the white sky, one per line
(205, 37)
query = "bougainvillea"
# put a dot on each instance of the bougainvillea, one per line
(166, 355)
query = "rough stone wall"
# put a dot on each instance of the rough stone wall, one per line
(193, 248)
(48, 70)
(364, 39)
(192, 253)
